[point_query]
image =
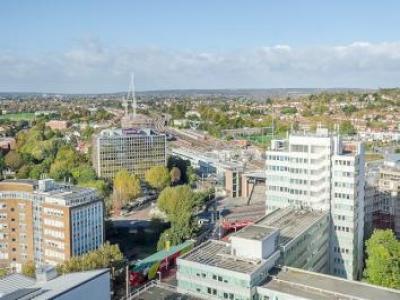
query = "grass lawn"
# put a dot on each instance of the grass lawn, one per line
(260, 139)
(373, 156)
(18, 116)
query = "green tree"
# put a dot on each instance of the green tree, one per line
(158, 177)
(383, 262)
(126, 188)
(289, 110)
(107, 256)
(83, 173)
(29, 269)
(13, 160)
(66, 160)
(178, 203)
(37, 170)
(192, 177)
(347, 128)
(23, 172)
(349, 109)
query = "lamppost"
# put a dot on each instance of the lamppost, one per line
(159, 275)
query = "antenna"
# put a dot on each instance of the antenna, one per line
(125, 105)
(131, 94)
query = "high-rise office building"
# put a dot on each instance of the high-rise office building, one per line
(322, 172)
(135, 150)
(47, 222)
(386, 212)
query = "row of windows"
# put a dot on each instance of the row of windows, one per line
(56, 254)
(342, 228)
(343, 162)
(287, 190)
(341, 250)
(53, 212)
(343, 174)
(54, 223)
(338, 260)
(344, 206)
(215, 277)
(343, 184)
(342, 196)
(339, 217)
(338, 271)
(54, 244)
(54, 233)
(298, 160)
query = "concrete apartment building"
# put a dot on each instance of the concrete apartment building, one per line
(281, 257)
(386, 208)
(223, 270)
(135, 150)
(282, 283)
(320, 171)
(47, 222)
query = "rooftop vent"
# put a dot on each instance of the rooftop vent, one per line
(46, 273)
(46, 185)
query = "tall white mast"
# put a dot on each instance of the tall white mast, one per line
(131, 95)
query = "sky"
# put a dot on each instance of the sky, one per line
(85, 46)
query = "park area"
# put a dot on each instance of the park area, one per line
(18, 116)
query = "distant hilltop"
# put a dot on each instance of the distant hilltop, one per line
(195, 93)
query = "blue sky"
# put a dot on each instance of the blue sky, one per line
(91, 46)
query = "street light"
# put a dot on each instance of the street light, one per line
(159, 275)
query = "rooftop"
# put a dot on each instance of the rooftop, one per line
(72, 195)
(254, 232)
(123, 132)
(14, 282)
(217, 254)
(161, 255)
(160, 291)
(318, 286)
(66, 282)
(15, 286)
(290, 222)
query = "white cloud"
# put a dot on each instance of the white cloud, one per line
(93, 67)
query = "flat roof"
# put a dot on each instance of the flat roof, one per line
(67, 282)
(254, 232)
(218, 254)
(58, 190)
(318, 286)
(157, 292)
(14, 282)
(291, 222)
(16, 285)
